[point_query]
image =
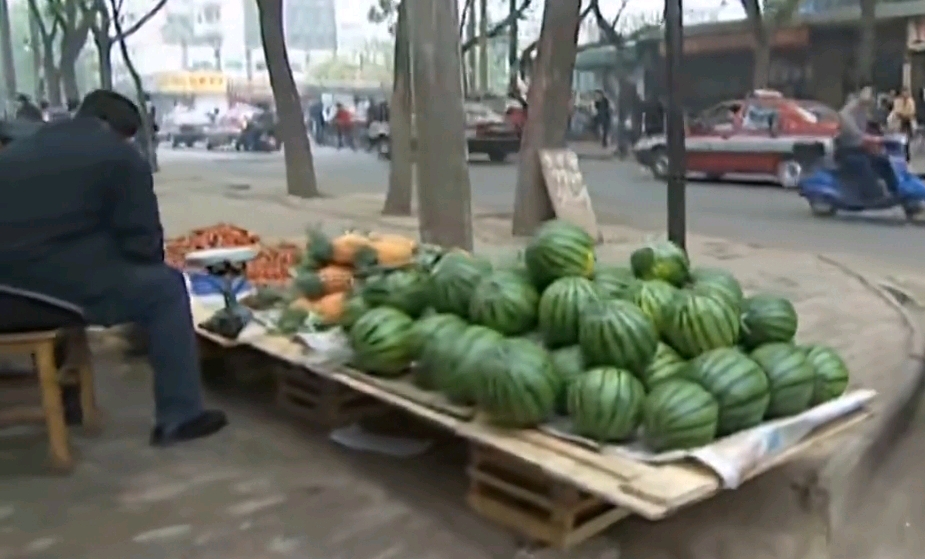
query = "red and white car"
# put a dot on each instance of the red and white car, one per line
(753, 136)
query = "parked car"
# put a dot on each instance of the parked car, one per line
(753, 136)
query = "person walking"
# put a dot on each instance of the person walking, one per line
(343, 122)
(602, 116)
(904, 113)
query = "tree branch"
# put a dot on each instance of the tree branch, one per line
(499, 27)
(607, 28)
(466, 13)
(133, 28)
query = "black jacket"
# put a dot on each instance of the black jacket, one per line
(78, 213)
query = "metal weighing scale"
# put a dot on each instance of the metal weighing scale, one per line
(225, 266)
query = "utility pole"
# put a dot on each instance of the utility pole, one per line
(677, 166)
(483, 46)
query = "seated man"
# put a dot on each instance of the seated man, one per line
(79, 221)
(861, 182)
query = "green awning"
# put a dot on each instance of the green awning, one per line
(604, 58)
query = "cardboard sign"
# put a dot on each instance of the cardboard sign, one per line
(567, 190)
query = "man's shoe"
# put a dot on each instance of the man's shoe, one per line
(207, 423)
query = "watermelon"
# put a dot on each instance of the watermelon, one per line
(429, 326)
(830, 373)
(437, 353)
(655, 298)
(569, 364)
(459, 378)
(661, 260)
(737, 383)
(790, 376)
(665, 365)
(679, 414)
(517, 386)
(767, 319)
(616, 333)
(354, 308)
(503, 301)
(452, 281)
(559, 249)
(717, 282)
(699, 323)
(381, 342)
(560, 308)
(605, 404)
(407, 290)
(615, 282)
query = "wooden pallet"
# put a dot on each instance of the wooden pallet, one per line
(320, 399)
(521, 497)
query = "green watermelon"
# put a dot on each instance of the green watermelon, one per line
(790, 376)
(560, 308)
(616, 333)
(679, 414)
(459, 379)
(452, 281)
(661, 260)
(767, 319)
(699, 323)
(381, 342)
(559, 249)
(426, 327)
(503, 301)
(517, 386)
(407, 290)
(615, 282)
(665, 365)
(437, 353)
(738, 384)
(831, 373)
(655, 298)
(354, 308)
(605, 404)
(569, 364)
(717, 282)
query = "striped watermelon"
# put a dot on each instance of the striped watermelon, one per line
(559, 249)
(717, 282)
(738, 384)
(661, 260)
(616, 333)
(700, 323)
(766, 319)
(665, 365)
(505, 302)
(452, 281)
(429, 326)
(560, 308)
(615, 282)
(381, 342)
(605, 404)
(569, 364)
(679, 414)
(517, 386)
(407, 290)
(831, 373)
(790, 376)
(459, 378)
(354, 308)
(655, 298)
(437, 351)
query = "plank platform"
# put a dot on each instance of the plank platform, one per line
(320, 399)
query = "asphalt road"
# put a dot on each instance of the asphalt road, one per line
(621, 191)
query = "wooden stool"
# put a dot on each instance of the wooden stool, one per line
(76, 368)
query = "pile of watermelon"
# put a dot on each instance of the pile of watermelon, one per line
(657, 349)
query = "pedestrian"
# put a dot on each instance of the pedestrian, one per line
(904, 113)
(602, 116)
(95, 240)
(316, 117)
(343, 122)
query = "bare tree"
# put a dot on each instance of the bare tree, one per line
(764, 22)
(401, 168)
(444, 192)
(6, 51)
(47, 35)
(104, 37)
(549, 99)
(867, 45)
(300, 166)
(74, 24)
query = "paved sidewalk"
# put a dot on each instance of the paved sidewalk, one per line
(264, 488)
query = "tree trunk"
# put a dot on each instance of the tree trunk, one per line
(35, 45)
(444, 197)
(471, 62)
(300, 167)
(69, 82)
(548, 102)
(483, 46)
(147, 127)
(867, 46)
(762, 63)
(512, 50)
(401, 169)
(104, 60)
(72, 42)
(6, 51)
(52, 78)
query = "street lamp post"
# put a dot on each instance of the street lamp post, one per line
(674, 50)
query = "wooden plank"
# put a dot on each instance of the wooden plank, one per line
(404, 386)
(421, 411)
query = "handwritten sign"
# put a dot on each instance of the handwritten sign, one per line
(567, 190)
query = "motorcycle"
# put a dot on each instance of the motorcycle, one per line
(266, 142)
(831, 187)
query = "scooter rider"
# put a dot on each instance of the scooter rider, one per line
(850, 153)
